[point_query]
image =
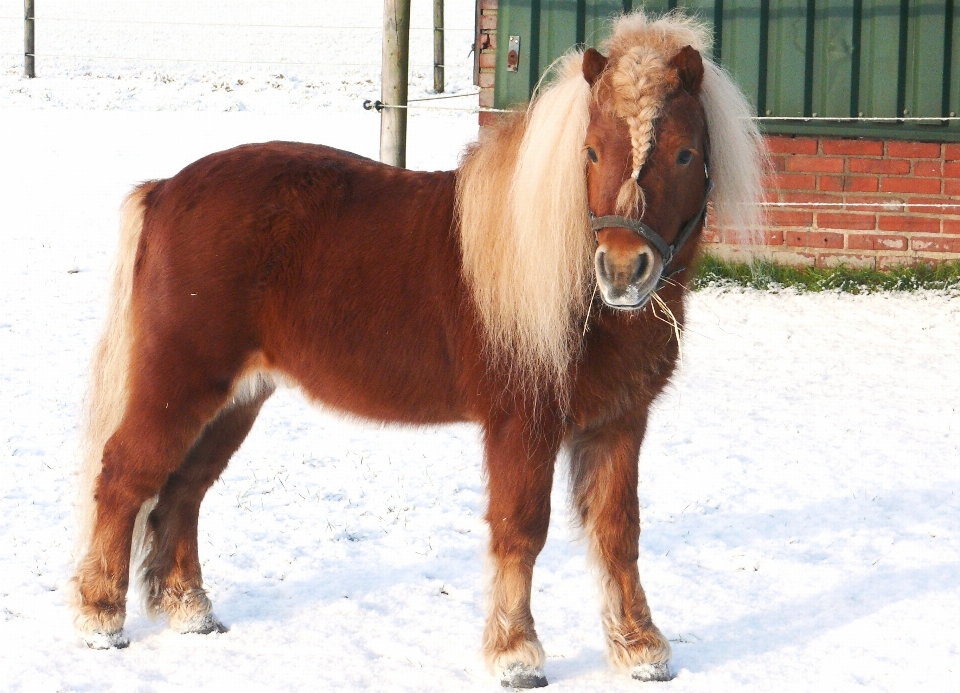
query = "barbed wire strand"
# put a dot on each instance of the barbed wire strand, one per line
(371, 105)
(445, 96)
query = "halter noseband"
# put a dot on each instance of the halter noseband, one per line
(667, 252)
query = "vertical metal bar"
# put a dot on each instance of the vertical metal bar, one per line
(902, 58)
(476, 44)
(393, 91)
(581, 22)
(29, 65)
(855, 58)
(808, 59)
(534, 44)
(438, 80)
(764, 53)
(947, 58)
(717, 30)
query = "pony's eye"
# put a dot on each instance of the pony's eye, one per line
(592, 154)
(684, 157)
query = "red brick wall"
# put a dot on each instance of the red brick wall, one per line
(822, 180)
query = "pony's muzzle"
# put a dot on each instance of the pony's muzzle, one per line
(627, 276)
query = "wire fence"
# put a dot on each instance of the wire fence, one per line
(58, 48)
(417, 104)
(373, 33)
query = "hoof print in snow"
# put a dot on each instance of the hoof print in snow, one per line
(652, 672)
(206, 624)
(522, 676)
(98, 640)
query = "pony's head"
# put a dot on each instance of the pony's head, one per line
(602, 182)
(647, 170)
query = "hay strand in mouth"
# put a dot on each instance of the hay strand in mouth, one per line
(586, 320)
(672, 322)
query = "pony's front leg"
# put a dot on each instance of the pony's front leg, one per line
(520, 462)
(604, 471)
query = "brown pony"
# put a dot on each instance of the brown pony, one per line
(480, 294)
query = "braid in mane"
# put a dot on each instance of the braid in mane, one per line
(639, 84)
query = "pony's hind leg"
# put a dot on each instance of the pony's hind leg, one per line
(170, 572)
(520, 466)
(604, 475)
(169, 404)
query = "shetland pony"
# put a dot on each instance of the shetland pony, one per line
(513, 292)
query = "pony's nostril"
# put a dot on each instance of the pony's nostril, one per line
(602, 262)
(643, 262)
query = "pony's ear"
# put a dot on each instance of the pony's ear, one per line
(689, 66)
(593, 65)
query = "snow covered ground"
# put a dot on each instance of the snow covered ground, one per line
(800, 481)
(221, 55)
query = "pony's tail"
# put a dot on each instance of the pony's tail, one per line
(107, 393)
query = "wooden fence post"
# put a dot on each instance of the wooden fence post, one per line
(29, 68)
(393, 90)
(438, 80)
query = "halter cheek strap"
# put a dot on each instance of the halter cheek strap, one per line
(667, 252)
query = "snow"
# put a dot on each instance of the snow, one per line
(221, 55)
(800, 480)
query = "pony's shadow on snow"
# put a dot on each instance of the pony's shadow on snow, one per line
(587, 659)
(871, 589)
(798, 623)
(350, 578)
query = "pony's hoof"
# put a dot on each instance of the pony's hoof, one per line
(652, 672)
(522, 676)
(203, 625)
(98, 640)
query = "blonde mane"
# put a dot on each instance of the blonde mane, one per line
(522, 196)
(524, 228)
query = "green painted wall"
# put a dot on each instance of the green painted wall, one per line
(801, 58)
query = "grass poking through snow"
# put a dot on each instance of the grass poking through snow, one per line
(766, 275)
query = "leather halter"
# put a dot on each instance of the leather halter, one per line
(667, 252)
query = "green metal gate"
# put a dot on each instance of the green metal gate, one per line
(802, 59)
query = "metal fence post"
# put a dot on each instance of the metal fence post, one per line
(28, 56)
(438, 60)
(393, 91)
